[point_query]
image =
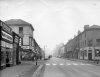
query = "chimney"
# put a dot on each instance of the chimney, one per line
(79, 32)
(86, 27)
(74, 36)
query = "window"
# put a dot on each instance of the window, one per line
(90, 42)
(97, 42)
(97, 52)
(21, 34)
(81, 53)
(22, 41)
(20, 30)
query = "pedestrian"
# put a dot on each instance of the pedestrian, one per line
(7, 61)
(36, 60)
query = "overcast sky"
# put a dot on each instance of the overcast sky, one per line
(55, 21)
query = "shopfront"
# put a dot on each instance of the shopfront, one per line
(16, 49)
(6, 46)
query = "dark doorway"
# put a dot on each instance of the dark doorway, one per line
(90, 56)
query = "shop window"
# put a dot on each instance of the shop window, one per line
(3, 56)
(81, 53)
(97, 52)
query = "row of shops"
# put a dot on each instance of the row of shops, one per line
(10, 48)
(88, 53)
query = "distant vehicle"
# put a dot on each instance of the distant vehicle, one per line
(46, 58)
(50, 56)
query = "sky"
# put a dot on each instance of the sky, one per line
(55, 21)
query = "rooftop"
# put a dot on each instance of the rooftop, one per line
(18, 22)
(95, 26)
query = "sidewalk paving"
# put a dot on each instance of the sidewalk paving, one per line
(25, 69)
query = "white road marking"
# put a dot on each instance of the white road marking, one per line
(54, 64)
(68, 64)
(61, 64)
(82, 64)
(47, 64)
(17, 75)
(88, 64)
(75, 64)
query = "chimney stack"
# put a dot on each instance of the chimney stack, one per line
(86, 27)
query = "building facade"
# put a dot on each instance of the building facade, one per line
(16, 49)
(86, 45)
(25, 30)
(8, 57)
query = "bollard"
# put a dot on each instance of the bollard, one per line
(36, 62)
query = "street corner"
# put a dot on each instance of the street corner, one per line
(38, 71)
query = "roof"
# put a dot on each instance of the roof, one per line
(95, 26)
(91, 28)
(18, 22)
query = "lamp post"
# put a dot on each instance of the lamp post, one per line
(36, 55)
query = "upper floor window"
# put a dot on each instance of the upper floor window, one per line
(20, 30)
(90, 42)
(97, 42)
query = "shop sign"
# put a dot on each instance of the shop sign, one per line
(6, 28)
(8, 45)
(3, 49)
(16, 39)
(3, 43)
(20, 42)
(31, 47)
(25, 47)
(7, 36)
(89, 51)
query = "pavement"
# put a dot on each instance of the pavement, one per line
(25, 69)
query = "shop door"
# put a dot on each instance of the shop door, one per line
(90, 56)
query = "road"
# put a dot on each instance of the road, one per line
(57, 67)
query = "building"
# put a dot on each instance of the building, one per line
(16, 49)
(90, 43)
(6, 45)
(9, 46)
(59, 50)
(25, 30)
(38, 50)
(86, 45)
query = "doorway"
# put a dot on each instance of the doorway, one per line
(90, 56)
